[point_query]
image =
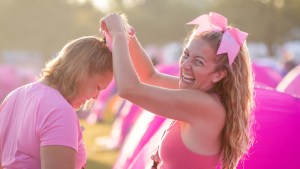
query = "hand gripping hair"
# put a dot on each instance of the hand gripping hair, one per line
(232, 38)
(107, 37)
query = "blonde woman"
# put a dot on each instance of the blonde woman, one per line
(210, 101)
(39, 128)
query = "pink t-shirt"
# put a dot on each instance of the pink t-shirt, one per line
(175, 155)
(37, 115)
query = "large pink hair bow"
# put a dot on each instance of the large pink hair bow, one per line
(232, 38)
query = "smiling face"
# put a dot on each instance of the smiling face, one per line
(197, 66)
(90, 88)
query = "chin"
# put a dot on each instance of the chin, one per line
(76, 106)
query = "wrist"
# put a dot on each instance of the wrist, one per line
(120, 38)
(119, 35)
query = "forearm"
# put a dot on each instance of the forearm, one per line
(145, 69)
(124, 72)
(141, 61)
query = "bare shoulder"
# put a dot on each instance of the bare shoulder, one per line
(208, 109)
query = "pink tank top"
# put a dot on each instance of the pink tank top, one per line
(175, 155)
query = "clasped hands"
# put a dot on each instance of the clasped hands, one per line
(114, 24)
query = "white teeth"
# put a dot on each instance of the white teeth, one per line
(187, 76)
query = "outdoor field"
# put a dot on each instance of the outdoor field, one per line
(98, 155)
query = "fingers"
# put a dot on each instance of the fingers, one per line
(155, 158)
(114, 23)
(103, 26)
(132, 31)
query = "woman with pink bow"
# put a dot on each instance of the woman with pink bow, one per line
(210, 101)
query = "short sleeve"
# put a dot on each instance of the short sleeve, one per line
(59, 126)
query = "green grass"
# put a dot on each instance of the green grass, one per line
(98, 156)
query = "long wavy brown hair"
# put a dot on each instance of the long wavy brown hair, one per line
(76, 60)
(236, 93)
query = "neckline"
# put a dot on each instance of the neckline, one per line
(177, 124)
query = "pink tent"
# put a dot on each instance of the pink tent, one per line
(277, 132)
(266, 76)
(142, 159)
(147, 127)
(126, 117)
(8, 80)
(291, 82)
(152, 129)
(12, 77)
(133, 140)
(172, 69)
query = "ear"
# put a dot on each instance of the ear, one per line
(219, 76)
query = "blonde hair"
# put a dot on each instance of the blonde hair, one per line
(77, 59)
(236, 93)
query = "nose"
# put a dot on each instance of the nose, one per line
(186, 64)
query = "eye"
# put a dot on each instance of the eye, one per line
(185, 55)
(199, 62)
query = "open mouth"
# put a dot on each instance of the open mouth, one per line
(187, 78)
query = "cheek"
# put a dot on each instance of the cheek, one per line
(89, 92)
(201, 75)
(79, 92)
(83, 91)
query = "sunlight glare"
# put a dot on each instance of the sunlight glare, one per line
(102, 5)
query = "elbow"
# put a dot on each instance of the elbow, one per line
(123, 93)
(151, 77)
(126, 91)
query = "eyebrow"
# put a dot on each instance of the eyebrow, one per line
(186, 50)
(201, 58)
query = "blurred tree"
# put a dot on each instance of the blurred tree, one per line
(45, 26)
(116, 5)
(268, 21)
(162, 21)
(159, 21)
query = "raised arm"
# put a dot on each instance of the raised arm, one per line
(140, 59)
(145, 69)
(142, 63)
(181, 104)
